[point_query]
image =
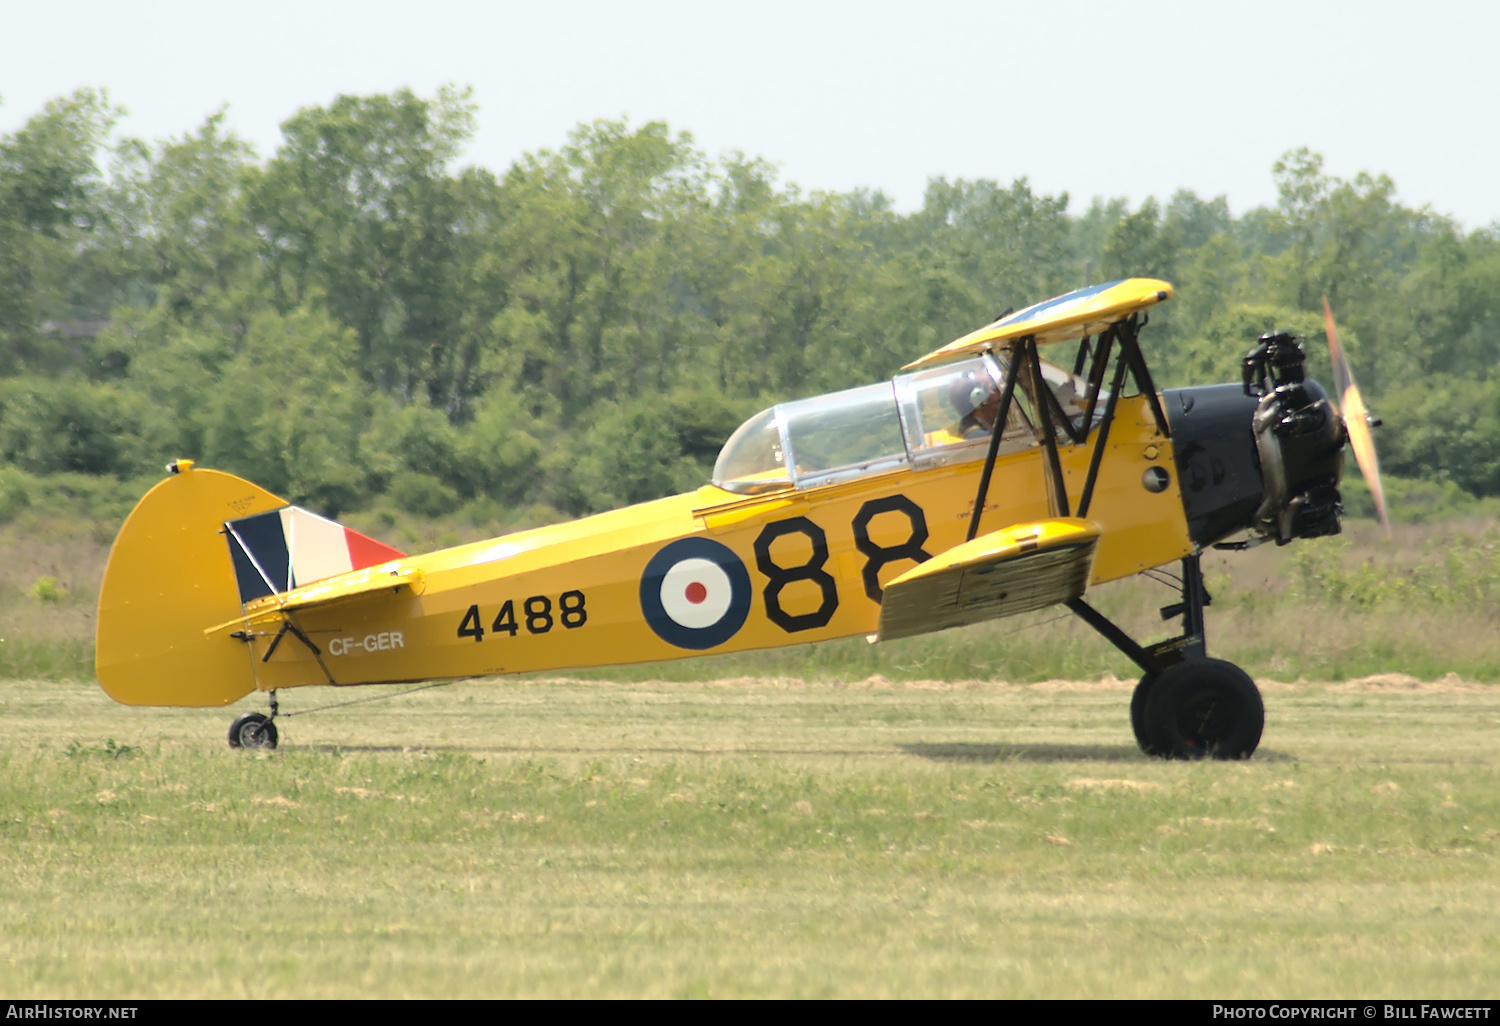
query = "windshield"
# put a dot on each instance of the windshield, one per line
(844, 434)
(751, 461)
(814, 441)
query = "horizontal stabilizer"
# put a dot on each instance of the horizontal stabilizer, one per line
(1013, 570)
(350, 587)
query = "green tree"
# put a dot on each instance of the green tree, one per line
(1140, 246)
(630, 454)
(1444, 427)
(71, 426)
(180, 218)
(1215, 352)
(1011, 244)
(589, 242)
(49, 189)
(359, 212)
(1346, 240)
(279, 403)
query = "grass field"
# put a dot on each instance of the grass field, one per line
(841, 820)
(749, 838)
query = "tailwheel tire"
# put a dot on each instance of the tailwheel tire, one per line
(1204, 708)
(252, 730)
(1138, 700)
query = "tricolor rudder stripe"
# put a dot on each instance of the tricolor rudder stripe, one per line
(695, 593)
(286, 548)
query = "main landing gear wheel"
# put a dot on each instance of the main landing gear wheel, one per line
(1138, 700)
(1201, 707)
(252, 730)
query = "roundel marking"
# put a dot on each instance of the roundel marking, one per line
(695, 593)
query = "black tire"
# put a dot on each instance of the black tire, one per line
(252, 730)
(1205, 707)
(1143, 736)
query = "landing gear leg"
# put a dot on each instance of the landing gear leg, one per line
(254, 730)
(1187, 705)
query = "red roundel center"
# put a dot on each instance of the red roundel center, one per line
(695, 593)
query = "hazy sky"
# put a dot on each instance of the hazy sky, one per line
(1114, 99)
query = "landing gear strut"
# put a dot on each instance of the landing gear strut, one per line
(254, 730)
(1186, 706)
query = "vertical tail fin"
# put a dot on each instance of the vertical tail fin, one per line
(198, 547)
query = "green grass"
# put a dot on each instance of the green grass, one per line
(773, 838)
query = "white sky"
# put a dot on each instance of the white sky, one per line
(1113, 99)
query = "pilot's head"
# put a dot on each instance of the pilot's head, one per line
(975, 395)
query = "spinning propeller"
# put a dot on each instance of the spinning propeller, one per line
(1357, 419)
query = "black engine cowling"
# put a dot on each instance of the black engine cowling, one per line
(1264, 456)
(1300, 440)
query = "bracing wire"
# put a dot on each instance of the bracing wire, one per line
(373, 698)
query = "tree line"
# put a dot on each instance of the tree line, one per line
(361, 315)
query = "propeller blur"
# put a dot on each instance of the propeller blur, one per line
(1357, 420)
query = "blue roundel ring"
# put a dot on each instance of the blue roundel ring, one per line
(681, 635)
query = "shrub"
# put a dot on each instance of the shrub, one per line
(422, 494)
(47, 589)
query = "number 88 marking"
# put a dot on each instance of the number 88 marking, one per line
(779, 576)
(876, 557)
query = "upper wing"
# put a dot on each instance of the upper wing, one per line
(1013, 570)
(1086, 311)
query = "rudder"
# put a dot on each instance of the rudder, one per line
(170, 576)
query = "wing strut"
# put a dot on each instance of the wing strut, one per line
(1130, 348)
(1105, 420)
(1043, 399)
(1096, 377)
(1083, 355)
(1007, 394)
(1023, 354)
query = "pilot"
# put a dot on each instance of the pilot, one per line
(975, 396)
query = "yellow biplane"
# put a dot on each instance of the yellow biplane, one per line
(981, 482)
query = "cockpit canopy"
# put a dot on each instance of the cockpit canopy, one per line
(923, 419)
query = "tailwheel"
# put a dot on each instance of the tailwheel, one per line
(1198, 708)
(252, 730)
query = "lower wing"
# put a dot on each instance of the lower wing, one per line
(1013, 570)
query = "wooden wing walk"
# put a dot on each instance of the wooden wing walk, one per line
(1013, 570)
